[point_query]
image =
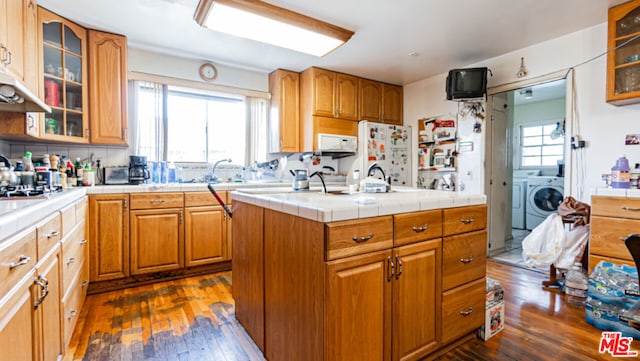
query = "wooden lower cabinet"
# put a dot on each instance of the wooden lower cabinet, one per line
(205, 235)
(463, 309)
(46, 295)
(416, 300)
(17, 335)
(157, 240)
(108, 236)
(358, 308)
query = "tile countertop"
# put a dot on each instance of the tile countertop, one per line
(322, 207)
(18, 214)
(177, 187)
(616, 192)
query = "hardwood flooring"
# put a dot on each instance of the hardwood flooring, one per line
(193, 319)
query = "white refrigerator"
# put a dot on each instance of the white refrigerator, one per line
(390, 146)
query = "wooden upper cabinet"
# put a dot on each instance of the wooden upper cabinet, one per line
(392, 104)
(324, 83)
(623, 65)
(334, 95)
(13, 36)
(370, 100)
(347, 87)
(285, 111)
(64, 67)
(108, 85)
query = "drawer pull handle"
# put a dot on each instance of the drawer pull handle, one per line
(157, 201)
(420, 229)
(466, 260)
(633, 209)
(71, 260)
(390, 269)
(399, 262)
(467, 312)
(43, 283)
(467, 220)
(363, 238)
(73, 313)
(21, 262)
(83, 241)
(85, 283)
(53, 234)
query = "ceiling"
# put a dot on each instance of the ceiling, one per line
(441, 35)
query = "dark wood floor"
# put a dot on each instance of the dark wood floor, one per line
(193, 319)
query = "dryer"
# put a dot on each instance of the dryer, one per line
(519, 199)
(544, 195)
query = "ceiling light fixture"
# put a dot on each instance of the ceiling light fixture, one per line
(267, 23)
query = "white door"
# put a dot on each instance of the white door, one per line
(500, 173)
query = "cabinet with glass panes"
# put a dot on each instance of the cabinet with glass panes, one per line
(64, 59)
(623, 62)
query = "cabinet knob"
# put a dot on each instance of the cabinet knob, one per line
(466, 260)
(362, 239)
(73, 313)
(467, 312)
(420, 229)
(22, 260)
(53, 234)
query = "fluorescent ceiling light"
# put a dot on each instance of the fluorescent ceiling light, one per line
(263, 22)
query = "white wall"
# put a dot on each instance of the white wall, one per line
(167, 65)
(602, 125)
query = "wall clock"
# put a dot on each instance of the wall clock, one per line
(208, 72)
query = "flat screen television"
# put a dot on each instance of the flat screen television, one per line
(469, 83)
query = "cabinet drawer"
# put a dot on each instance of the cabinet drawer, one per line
(463, 310)
(619, 207)
(74, 254)
(17, 257)
(156, 200)
(464, 258)
(348, 238)
(71, 305)
(608, 234)
(81, 209)
(195, 199)
(48, 233)
(68, 219)
(418, 226)
(464, 219)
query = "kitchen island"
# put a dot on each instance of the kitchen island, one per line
(384, 276)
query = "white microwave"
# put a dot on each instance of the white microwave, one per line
(337, 143)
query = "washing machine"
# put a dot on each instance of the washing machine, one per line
(544, 195)
(519, 199)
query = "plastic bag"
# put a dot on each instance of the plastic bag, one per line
(544, 244)
(550, 243)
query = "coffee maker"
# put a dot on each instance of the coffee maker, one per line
(138, 172)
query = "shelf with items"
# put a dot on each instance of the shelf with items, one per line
(437, 152)
(623, 62)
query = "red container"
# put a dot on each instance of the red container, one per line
(51, 93)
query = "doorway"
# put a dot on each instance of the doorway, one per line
(525, 158)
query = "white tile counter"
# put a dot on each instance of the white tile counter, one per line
(176, 187)
(19, 213)
(322, 207)
(616, 192)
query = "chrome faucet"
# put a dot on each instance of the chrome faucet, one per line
(214, 177)
(372, 170)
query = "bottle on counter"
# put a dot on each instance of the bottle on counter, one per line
(27, 163)
(576, 285)
(620, 177)
(79, 172)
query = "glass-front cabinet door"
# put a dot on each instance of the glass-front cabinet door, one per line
(64, 59)
(623, 63)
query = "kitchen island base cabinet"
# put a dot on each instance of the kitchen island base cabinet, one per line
(16, 322)
(359, 289)
(248, 285)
